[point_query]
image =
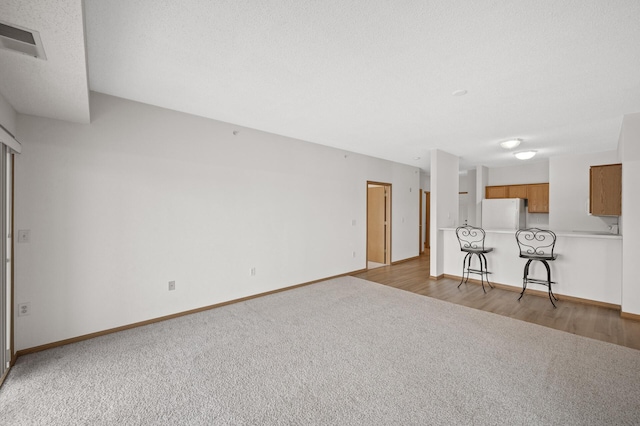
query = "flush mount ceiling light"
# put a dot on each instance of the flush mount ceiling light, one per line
(525, 155)
(511, 143)
(460, 92)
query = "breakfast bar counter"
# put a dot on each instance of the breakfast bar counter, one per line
(589, 265)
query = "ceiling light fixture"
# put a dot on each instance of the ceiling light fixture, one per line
(460, 92)
(525, 155)
(511, 143)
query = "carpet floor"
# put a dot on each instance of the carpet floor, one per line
(340, 352)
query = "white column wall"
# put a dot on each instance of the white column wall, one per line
(482, 180)
(472, 204)
(143, 196)
(630, 151)
(444, 204)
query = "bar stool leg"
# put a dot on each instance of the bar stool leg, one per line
(524, 278)
(546, 264)
(484, 258)
(482, 272)
(463, 268)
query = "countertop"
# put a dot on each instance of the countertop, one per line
(570, 234)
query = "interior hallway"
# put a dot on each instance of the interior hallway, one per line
(578, 318)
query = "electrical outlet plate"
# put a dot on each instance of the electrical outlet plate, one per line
(24, 236)
(24, 309)
(172, 285)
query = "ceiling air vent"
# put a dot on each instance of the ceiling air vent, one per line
(21, 40)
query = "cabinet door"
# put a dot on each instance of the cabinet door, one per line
(517, 191)
(605, 195)
(495, 192)
(538, 195)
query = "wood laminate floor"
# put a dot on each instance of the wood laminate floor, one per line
(585, 320)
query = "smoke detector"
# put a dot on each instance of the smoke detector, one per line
(22, 40)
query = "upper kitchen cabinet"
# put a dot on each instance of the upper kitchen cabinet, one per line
(495, 192)
(517, 191)
(605, 190)
(538, 196)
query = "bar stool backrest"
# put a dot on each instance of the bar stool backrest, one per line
(536, 243)
(470, 238)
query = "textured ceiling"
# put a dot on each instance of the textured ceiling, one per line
(57, 87)
(370, 76)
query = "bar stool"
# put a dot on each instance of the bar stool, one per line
(537, 244)
(471, 241)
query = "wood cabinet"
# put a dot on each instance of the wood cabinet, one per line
(605, 190)
(517, 191)
(495, 192)
(537, 195)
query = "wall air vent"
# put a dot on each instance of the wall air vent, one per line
(22, 40)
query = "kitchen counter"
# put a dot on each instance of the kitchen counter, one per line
(576, 234)
(589, 265)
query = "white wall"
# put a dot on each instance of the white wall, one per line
(629, 148)
(467, 203)
(7, 116)
(482, 179)
(426, 181)
(405, 198)
(444, 204)
(526, 172)
(144, 195)
(569, 192)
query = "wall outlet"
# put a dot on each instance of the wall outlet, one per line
(172, 285)
(252, 271)
(24, 309)
(24, 236)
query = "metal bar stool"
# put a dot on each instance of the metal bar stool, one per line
(471, 241)
(537, 244)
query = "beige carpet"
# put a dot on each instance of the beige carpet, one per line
(341, 352)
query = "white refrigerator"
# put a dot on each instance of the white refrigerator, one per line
(503, 213)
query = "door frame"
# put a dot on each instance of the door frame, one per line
(387, 240)
(7, 356)
(426, 242)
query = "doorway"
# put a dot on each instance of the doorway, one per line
(378, 224)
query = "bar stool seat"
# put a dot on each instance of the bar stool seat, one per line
(537, 244)
(471, 240)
